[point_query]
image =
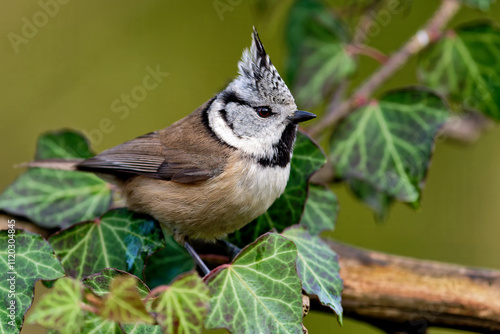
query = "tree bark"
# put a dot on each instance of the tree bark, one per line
(404, 295)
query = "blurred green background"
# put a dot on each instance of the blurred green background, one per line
(72, 68)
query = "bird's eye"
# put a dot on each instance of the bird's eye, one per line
(263, 111)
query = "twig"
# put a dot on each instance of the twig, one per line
(403, 295)
(431, 32)
(360, 49)
(358, 38)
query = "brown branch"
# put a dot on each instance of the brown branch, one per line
(360, 49)
(431, 32)
(403, 295)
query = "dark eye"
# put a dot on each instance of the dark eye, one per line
(263, 111)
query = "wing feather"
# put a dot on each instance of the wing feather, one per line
(147, 156)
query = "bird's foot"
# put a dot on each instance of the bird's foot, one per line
(232, 250)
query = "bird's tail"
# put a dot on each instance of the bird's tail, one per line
(60, 164)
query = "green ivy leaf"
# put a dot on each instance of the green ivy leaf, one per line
(106, 285)
(388, 143)
(95, 324)
(320, 212)
(182, 306)
(64, 144)
(287, 209)
(141, 329)
(317, 58)
(167, 263)
(483, 5)
(33, 260)
(100, 284)
(123, 303)
(56, 198)
(376, 200)
(60, 309)
(465, 66)
(119, 239)
(318, 268)
(260, 291)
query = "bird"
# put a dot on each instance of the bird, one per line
(214, 171)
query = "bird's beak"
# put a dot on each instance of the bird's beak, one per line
(301, 116)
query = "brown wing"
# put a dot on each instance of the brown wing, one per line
(185, 152)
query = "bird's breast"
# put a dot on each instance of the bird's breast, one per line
(214, 208)
(260, 185)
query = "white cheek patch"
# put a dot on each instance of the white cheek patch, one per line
(258, 147)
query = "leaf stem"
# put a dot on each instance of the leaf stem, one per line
(358, 38)
(429, 33)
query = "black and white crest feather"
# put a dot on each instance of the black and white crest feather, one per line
(259, 74)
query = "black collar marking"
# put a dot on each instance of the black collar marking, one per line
(283, 149)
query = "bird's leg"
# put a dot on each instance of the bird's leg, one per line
(181, 239)
(196, 258)
(232, 250)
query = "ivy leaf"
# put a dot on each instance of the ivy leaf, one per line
(141, 329)
(388, 143)
(123, 303)
(287, 209)
(60, 309)
(110, 284)
(57, 198)
(182, 306)
(465, 66)
(26, 259)
(318, 268)
(260, 291)
(64, 144)
(95, 324)
(100, 284)
(119, 239)
(320, 212)
(167, 263)
(317, 60)
(377, 201)
(483, 5)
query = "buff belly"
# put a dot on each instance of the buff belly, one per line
(210, 209)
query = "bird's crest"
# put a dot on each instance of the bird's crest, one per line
(257, 72)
